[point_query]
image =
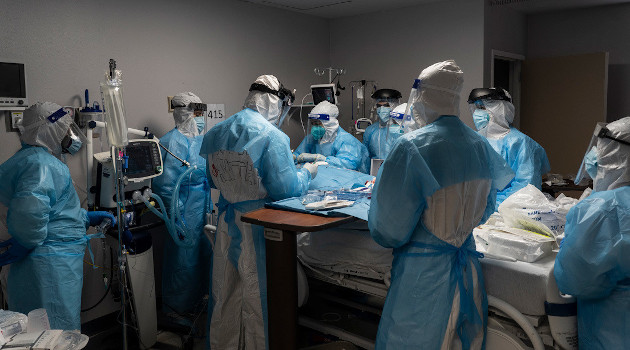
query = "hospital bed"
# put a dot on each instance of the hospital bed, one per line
(526, 310)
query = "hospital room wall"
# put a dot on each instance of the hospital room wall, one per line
(597, 29)
(213, 48)
(392, 47)
(506, 31)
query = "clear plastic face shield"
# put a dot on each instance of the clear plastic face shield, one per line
(316, 125)
(588, 168)
(413, 108)
(74, 138)
(286, 96)
(395, 125)
(382, 108)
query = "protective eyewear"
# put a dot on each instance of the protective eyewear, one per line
(602, 132)
(193, 105)
(283, 93)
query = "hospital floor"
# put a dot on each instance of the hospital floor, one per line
(110, 338)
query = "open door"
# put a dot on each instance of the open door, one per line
(562, 100)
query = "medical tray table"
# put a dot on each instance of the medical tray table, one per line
(281, 228)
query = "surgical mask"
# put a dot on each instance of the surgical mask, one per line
(481, 118)
(201, 123)
(383, 113)
(395, 129)
(74, 146)
(318, 132)
(590, 162)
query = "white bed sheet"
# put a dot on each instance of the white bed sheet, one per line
(347, 249)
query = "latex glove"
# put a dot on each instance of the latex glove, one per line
(15, 252)
(310, 157)
(96, 217)
(294, 159)
(312, 168)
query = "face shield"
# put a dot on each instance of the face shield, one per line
(382, 108)
(396, 121)
(588, 167)
(409, 122)
(46, 129)
(74, 139)
(316, 127)
(285, 99)
(189, 114)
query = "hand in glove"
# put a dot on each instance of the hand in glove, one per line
(312, 168)
(310, 157)
(15, 252)
(96, 217)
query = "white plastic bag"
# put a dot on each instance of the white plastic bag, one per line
(529, 209)
(12, 323)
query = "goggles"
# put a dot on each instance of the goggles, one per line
(283, 93)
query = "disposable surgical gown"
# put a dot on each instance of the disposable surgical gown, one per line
(525, 156)
(44, 214)
(250, 162)
(185, 270)
(593, 265)
(377, 141)
(345, 151)
(436, 185)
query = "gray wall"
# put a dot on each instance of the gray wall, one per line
(213, 48)
(392, 47)
(504, 30)
(600, 29)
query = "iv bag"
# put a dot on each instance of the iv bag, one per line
(114, 110)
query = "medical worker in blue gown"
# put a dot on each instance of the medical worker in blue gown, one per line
(185, 270)
(249, 161)
(329, 143)
(45, 218)
(593, 264)
(376, 138)
(436, 185)
(493, 114)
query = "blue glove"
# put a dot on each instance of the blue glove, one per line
(15, 252)
(96, 217)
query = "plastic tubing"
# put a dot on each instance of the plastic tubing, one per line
(176, 233)
(517, 316)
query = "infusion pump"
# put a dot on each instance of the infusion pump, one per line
(144, 163)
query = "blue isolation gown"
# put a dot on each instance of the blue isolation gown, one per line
(525, 156)
(593, 265)
(44, 214)
(345, 151)
(250, 162)
(185, 270)
(436, 185)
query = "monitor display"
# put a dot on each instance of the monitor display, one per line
(324, 93)
(140, 160)
(12, 82)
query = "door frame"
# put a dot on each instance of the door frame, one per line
(515, 77)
